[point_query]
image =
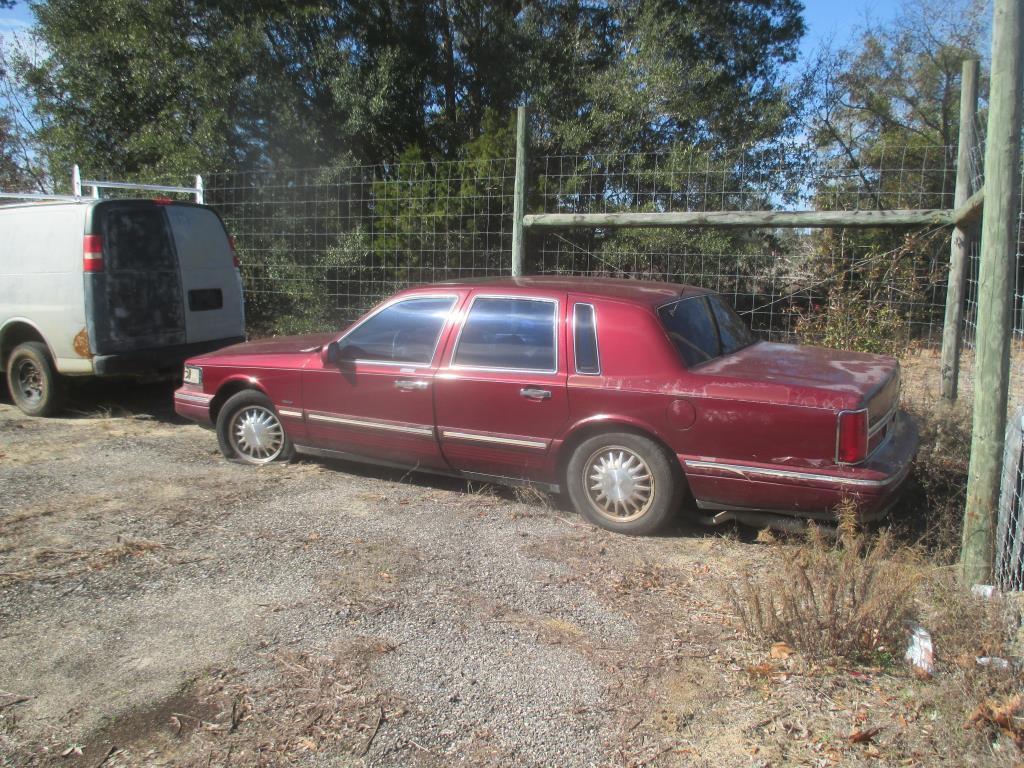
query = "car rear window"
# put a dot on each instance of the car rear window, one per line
(405, 332)
(517, 334)
(703, 328)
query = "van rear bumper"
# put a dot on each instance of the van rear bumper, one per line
(158, 360)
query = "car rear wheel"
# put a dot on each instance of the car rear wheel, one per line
(35, 385)
(624, 482)
(249, 430)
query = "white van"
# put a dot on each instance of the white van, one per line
(111, 287)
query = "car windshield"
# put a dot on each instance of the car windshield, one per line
(703, 328)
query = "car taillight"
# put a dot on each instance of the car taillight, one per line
(852, 441)
(234, 253)
(92, 253)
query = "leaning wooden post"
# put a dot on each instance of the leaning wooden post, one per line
(995, 282)
(519, 195)
(952, 331)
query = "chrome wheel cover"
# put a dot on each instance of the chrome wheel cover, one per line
(256, 435)
(29, 381)
(619, 484)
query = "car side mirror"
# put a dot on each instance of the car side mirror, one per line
(330, 353)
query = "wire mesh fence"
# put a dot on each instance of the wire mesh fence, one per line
(320, 246)
(820, 285)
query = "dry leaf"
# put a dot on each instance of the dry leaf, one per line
(863, 736)
(781, 651)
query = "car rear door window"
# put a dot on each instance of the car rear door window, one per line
(692, 329)
(405, 332)
(508, 333)
(585, 340)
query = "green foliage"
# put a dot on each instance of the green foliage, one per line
(172, 87)
(874, 296)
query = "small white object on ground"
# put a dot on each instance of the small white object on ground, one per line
(920, 653)
(985, 591)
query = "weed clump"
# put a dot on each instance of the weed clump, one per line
(848, 598)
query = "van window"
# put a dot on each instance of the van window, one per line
(517, 334)
(136, 239)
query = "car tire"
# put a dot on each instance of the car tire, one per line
(250, 431)
(35, 386)
(624, 482)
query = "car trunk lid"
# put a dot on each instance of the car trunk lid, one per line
(869, 381)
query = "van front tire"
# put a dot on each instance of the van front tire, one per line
(35, 385)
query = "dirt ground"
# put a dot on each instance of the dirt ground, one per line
(162, 606)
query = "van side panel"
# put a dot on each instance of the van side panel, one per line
(41, 277)
(211, 286)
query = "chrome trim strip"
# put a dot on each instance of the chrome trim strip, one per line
(425, 431)
(458, 337)
(387, 305)
(292, 414)
(197, 398)
(597, 346)
(537, 444)
(794, 475)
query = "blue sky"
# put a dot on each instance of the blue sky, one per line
(825, 19)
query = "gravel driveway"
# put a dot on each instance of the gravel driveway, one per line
(162, 606)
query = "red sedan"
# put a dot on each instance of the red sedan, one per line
(632, 396)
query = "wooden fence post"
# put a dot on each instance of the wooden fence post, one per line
(519, 195)
(995, 283)
(952, 331)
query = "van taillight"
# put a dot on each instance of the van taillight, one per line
(852, 441)
(234, 253)
(92, 253)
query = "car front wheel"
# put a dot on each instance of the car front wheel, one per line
(249, 430)
(624, 482)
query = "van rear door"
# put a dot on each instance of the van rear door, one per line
(137, 298)
(211, 286)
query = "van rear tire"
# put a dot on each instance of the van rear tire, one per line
(35, 386)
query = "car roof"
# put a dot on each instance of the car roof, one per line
(648, 292)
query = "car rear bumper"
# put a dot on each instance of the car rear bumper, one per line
(193, 405)
(158, 360)
(808, 492)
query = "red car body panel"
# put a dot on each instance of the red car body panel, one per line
(752, 430)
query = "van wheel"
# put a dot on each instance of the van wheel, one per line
(249, 430)
(35, 385)
(624, 482)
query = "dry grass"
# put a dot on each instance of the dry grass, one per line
(850, 598)
(46, 564)
(931, 511)
(314, 704)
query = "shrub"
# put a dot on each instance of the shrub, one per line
(847, 599)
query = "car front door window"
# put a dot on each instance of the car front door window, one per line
(404, 333)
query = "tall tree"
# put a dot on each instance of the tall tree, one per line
(180, 85)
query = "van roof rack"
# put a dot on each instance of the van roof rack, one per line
(77, 182)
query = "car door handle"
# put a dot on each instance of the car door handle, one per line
(535, 394)
(406, 385)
